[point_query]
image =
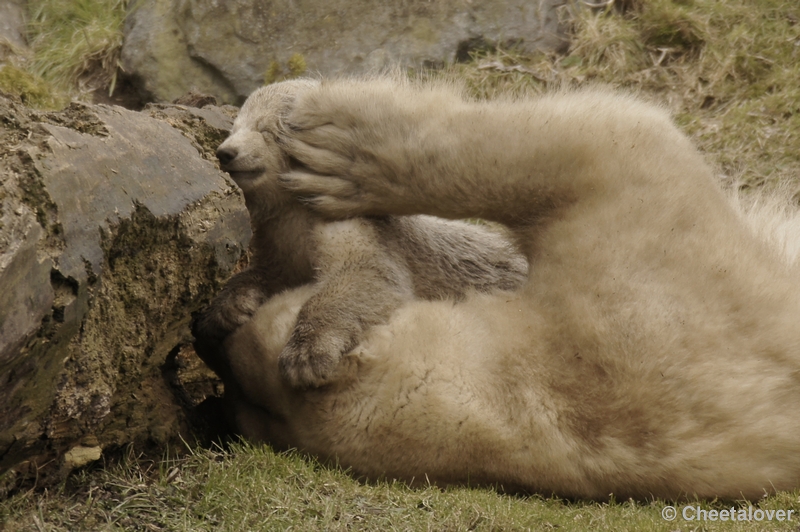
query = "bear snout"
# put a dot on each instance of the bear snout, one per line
(226, 155)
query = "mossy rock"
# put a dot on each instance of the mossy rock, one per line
(114, 229)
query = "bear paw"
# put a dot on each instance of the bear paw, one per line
(311, 357)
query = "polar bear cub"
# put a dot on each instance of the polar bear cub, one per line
(653, 349)
(363, 268)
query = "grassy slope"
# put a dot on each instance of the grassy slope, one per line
(252, 488)
(730, 72)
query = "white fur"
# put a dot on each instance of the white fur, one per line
(654, 351)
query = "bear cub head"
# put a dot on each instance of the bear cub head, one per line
(251, 154)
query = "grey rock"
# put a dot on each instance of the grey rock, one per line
(115, 226)
(155, 55)
(12, 29)
(229, 48)
(80, 456)
(12, 22)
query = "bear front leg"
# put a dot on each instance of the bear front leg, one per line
(384, 146)
(331, 324)
(387, 146)
(231, 308)
(360, 283)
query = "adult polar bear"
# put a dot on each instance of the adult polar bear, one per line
(653, 351)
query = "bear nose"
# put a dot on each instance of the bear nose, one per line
(226, 155)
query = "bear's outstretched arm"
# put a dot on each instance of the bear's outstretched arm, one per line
(360, 283)
(385, 146)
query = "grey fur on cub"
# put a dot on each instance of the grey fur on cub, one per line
(364, 268)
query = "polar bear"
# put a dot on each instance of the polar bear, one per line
(364, 268)
(653, 350)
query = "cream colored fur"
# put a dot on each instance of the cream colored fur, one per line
(364, 268)
(653, 351)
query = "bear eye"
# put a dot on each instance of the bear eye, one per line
(268, 131)
(259, 126)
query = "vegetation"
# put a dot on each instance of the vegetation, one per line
(76, 43)
(31, 89)
(248, 488)
(295, 67)
(728, 70)
(76, 46)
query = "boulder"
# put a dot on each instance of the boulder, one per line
(230, 48)
(12, 29)
(115, 226)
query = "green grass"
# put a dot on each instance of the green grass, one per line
(75, 50)
(76, 43)
(729, 71)
(251, 488)
(31, 89)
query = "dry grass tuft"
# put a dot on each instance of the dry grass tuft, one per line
(729, 72)
(76, 43)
